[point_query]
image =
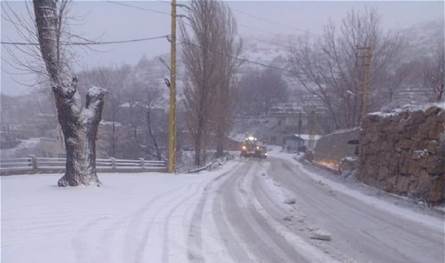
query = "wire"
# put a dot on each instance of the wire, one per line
(117, 41)
(241, 59)
(267, 20)
(139, 7)
(89, 43)
(152, 10)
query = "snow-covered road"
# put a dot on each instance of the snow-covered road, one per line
(272, 210)
(361, 230)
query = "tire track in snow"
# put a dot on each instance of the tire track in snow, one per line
(299, 224)
(140, 251)
(305, 250)
(110, 234)
(80, 242)
(272, 247)
(236, 243)
(195, 233)
(168, 222)
(87, 249)
(251, 234)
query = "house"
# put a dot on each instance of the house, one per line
(293, 143)
(309, 140)
(300, 142)
(284, 120)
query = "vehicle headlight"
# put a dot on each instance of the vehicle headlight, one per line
(243, 147)
(258, 147)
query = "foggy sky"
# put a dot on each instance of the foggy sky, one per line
(101, 20)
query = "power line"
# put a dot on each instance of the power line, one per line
(262, 19)
(119, 41)
(270, 41)
(88, 43)
(152, 10)
(269, 21)
(241, 59)
(139, 7)
(234, 57)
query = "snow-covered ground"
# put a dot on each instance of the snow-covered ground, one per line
(131, 218)
(274, 210)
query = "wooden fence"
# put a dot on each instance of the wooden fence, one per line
(57, 165)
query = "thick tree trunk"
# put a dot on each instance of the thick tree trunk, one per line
(69, 115)
(80, 132)
(79, 126)
(92, 116)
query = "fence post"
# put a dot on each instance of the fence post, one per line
(113, 164)
(34, 164)
(142, 163)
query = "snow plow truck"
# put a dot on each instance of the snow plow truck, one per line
(251, 147)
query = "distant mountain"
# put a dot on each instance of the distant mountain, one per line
(422, 38)
(268, 51)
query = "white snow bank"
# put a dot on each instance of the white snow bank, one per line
(427, 220)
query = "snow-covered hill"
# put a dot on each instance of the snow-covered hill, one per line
(422, 39)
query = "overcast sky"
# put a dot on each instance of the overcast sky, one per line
(104, 20)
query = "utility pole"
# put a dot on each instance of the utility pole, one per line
(366, 57)
(172, 107)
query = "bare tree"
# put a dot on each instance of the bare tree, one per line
(201, 58)
(331, 68)
(393, 82)
(434, 72)
(229, 48)
(152, 100)
(79, 125)
(259, 90)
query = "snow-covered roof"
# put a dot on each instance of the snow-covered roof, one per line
(125, 105)
(409, 108)
(116, 123)
(308, 137)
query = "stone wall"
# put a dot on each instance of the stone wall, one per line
(404, 153)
